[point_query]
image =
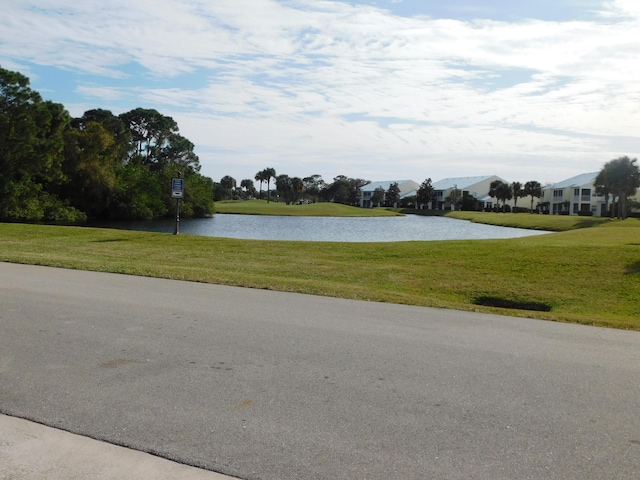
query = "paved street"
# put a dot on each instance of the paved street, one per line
(267, 385)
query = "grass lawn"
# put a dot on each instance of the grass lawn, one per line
(323, 209)
(554, 223)
(586, 275)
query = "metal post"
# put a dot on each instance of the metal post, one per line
(176, 229)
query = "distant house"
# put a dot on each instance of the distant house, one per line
(574, 196)
(407, 188)
(476, 187)
(577, 196)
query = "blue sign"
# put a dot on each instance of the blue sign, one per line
(177, 188)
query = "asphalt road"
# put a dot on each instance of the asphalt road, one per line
(267, 385)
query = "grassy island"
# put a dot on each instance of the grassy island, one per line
(322, 209)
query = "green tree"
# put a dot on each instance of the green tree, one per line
(53, 167)
(113, 124)
(260, 177)
(469, 203)
(249, 188)
(517, 192)
(297, 187)
(139, 194)
(603, 191)
(198, 201)
(377, 198)
(355, 192)
(312, 186)
(393, 195)
(344, 190)
(532, 189)
(425, 193)
(178, 154)
(228, 183)
(31, 153)
(284, 188)
(454, 198)
(91, 169)
(501, 191)
(621, 177)
(150, 133)
(269, 174)
(337, 191)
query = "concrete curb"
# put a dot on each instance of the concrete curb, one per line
(30, 451)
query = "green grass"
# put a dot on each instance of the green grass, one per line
(323, 209)
(589, 276)
(554, 223)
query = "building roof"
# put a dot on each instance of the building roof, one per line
(371, 187)
(577, 181)
(461, 183)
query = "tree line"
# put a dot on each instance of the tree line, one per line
(291, 190)
(616, 182)
(105, 166)
(99, 166)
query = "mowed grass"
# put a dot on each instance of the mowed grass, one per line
(555, 223)
(322, 209)
(589, 276)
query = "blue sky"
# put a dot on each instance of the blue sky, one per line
(387, 89)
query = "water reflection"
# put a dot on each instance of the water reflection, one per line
(331, 229)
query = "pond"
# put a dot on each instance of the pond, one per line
(331, 229)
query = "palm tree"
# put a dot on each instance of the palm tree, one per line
(297, 185)
(269, 173)
(247, 184)
(260, 177)
(516, 189)
(500, 191)
(533, 189)
(228, 183)
(621, 177)
(603, 191)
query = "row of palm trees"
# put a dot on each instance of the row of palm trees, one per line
(265, 176)
(503, 191)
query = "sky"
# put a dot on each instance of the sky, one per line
(380, 90)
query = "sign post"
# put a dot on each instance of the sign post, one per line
(177, 192)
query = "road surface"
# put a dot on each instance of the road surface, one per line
(268, 385)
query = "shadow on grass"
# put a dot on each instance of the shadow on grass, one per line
(110, 240)
(488, 301)
(633, 269)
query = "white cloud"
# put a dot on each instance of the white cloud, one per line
(309, 85)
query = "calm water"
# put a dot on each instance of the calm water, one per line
(331, 229)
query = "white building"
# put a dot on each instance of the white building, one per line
(407, 188)
(476, 187)
(577, 196)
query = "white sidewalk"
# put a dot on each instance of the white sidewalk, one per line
(30, 451)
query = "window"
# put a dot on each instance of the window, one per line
(558, 194)
(576, 192)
